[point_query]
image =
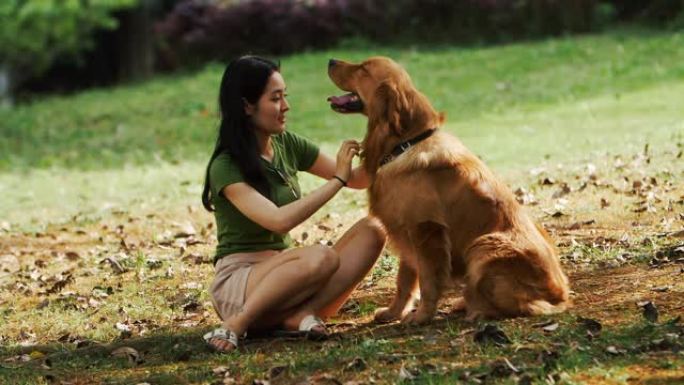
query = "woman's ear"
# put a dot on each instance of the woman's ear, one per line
(249, 108)
(390, 106)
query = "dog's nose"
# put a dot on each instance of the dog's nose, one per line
(331, 63)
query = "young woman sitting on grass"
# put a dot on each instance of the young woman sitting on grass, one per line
(251, 186)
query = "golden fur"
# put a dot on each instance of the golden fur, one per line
(448, 216)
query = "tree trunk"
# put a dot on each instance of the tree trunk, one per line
(136, 45)
(6, 99)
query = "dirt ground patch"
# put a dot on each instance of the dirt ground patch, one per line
(73, 293)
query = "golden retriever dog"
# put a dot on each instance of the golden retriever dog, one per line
(446, 214)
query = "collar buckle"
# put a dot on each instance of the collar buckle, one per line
(405, 146)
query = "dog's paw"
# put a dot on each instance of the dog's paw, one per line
(473, 315)
(385, 314)
(458, 305)
(418, 317)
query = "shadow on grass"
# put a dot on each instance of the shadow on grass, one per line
(441, 352)
(156, 357)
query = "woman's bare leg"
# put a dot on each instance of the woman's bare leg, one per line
(308, 280)
(280, 283)
(358, 249)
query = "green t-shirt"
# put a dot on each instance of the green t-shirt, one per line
(237, 233)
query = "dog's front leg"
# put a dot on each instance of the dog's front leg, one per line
(407, 282)
(434, 269)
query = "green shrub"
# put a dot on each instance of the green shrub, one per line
(35, 33)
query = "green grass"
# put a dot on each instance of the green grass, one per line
(517, 106)
(174, 118)
(177, 357)
(82, 173)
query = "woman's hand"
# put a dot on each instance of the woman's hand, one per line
(346, 153)
(282, 219)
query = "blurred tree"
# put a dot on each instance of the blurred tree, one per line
(34, 33)
(136, 40)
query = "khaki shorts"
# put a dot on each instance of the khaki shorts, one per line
(230, 283)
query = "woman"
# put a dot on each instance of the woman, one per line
(251, 185)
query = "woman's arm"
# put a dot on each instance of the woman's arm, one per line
(261, 210)
(325, 166)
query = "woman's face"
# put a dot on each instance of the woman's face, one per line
(268, 114)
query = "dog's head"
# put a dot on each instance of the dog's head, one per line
(382, 90)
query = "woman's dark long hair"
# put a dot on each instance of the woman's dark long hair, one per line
(243, 80)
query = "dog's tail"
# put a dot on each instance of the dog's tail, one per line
(507, 282)
(542, 307)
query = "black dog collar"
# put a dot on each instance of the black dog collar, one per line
(404, 146)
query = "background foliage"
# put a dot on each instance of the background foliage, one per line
(36, 33)
(196, 31)
(62, 45)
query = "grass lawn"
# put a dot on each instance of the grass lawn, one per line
(104, 244)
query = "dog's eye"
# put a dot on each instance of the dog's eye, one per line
(364, 71)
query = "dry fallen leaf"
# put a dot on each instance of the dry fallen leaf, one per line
(124, 329)
(491, 333)
(357, 365)
(614, 351)
(220, 370)
(9, 264)
(650, 310)
(60, 283)
(18, 358)
(547, 181)
(550, 328)
(562, 191)
(547, 326)
(115, 264)
(406, 374)
(524, 197)
(276, 371)
(185, 230)
(129, 353)
(72, 255)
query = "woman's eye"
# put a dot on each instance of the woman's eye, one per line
(278, 98)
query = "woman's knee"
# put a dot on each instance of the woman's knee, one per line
(322, 261)
(374, 228)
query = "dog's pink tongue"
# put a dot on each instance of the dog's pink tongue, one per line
(341, 100)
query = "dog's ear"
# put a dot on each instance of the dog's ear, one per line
(390, 106)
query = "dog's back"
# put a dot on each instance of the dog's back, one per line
(511, 265)
(508, 263)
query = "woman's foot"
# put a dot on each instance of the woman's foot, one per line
(222, 340)
(306, 324)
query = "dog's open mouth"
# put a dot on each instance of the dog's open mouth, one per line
(346, 103)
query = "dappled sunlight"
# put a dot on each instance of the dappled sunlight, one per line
(106, 251)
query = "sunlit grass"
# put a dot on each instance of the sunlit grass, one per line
(174, 117)
(117, 171)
